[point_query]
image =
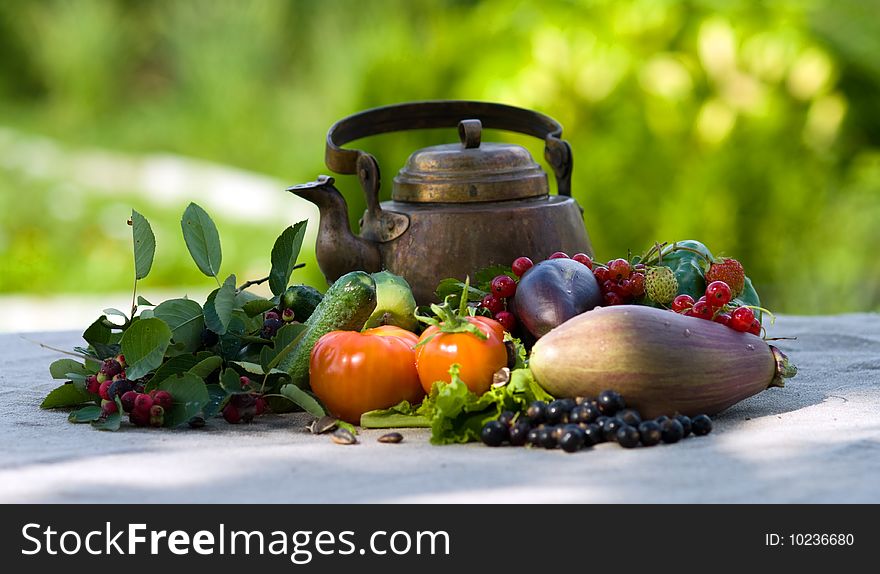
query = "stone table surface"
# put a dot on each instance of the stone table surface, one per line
(816, 440)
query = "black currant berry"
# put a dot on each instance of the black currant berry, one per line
(630, 417)
(650, 433)
(611, 427)
(506, 417)
(661, 419)
(546, 438)
(557, 413)
(519, 433)
(671, 431)
(494, 433)
(584, 413)
(685, 425)
(701, 425)
(537, 412)
(572, 440)
(593, 435)
(628, 436)
(610, 402)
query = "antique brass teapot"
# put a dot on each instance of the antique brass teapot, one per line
(454, 208)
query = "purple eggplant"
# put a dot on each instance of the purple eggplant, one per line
(552, 292)
(663, 363)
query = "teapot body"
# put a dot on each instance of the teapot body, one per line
(456, 240)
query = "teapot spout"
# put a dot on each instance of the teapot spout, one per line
(338, 250)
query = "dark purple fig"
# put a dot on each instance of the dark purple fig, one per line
(552, 292)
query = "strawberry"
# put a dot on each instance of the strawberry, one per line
(730, 271)
(660, 284)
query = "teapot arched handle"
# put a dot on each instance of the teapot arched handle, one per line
(383, 226)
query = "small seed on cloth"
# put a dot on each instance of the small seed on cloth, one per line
(322, 425)
(392, 437)
(343, 436)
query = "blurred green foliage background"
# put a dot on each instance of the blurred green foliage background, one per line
(753, 126)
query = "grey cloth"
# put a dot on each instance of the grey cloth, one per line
(816, 440)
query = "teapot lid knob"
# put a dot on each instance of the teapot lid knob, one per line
(470, 132)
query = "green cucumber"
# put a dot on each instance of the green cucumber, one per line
(345, 307)
(302, 299)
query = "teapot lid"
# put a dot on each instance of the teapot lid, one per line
(469, 172)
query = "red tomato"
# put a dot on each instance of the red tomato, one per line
(353, 373)
(479, 358)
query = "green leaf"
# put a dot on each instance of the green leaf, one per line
(117, 312)
(190, 395)
(85, 414)
(284, 254)
(202, 239)
(230, 382)
(256, 369)
(286, 340)
(186, 320)
(60, 368)
(401, 415)
(303, 399)
(144, 244)
(453, 288)
(216, 397)
(142, 301)
(175, 366)
(144, 344)
(112, 421)
(219, 306)
(98, 332)
(257, 307)
(67, 395)
(206, 367)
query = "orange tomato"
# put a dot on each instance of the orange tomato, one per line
(353, 373)
(479, 359)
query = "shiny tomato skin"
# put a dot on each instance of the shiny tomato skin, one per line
(479, 359)
(352, 373)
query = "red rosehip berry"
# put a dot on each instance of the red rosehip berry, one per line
(163, 399)
(92, 384)
(110, 368)
(128, 399)
(142, 404)
(702, 310)
(492, 303)
(231, 414)
(157, 416)
(718, 294)
(559, 255)
(503, 286)
(138, 418)
(507, 320)
(121, 360)
(583, 258)
(755, 328)
(741, 319)
(108, 407)
(521, 265)
(102, 390)
(260, 405)
(682, 303)
(619, 269)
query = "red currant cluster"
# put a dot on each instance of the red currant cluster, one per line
(621, 283)
(242, 408)
(502, 288)
(714, 306)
